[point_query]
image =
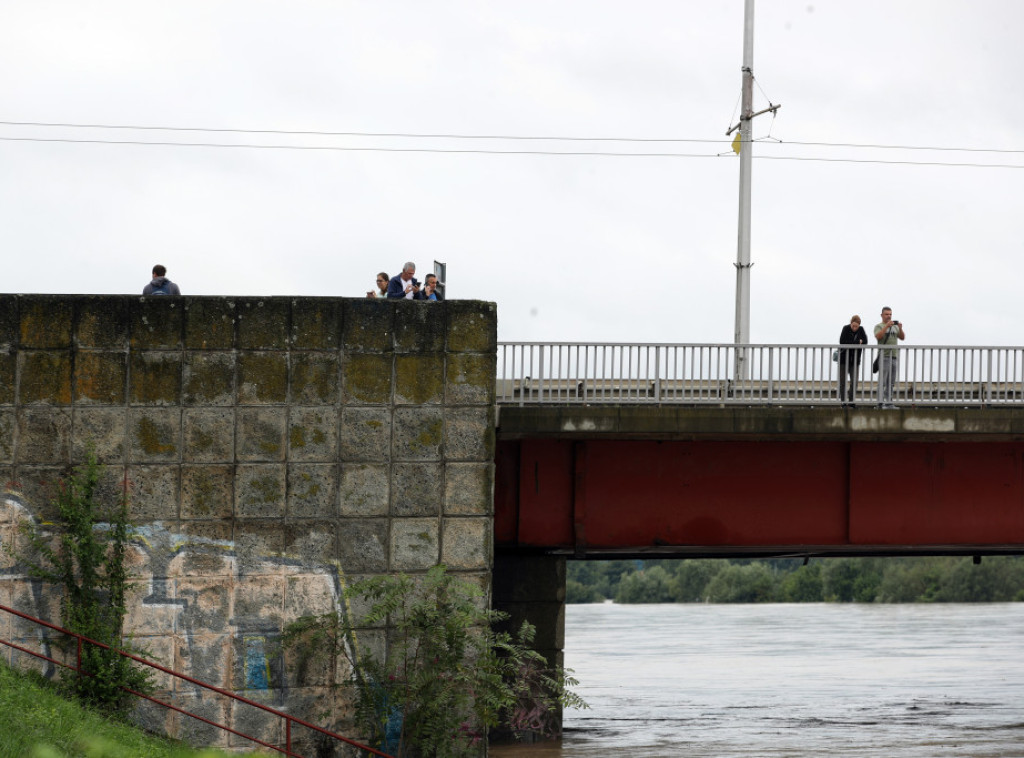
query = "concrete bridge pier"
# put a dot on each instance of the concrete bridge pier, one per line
(532, 588)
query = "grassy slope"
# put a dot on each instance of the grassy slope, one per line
(37, 722)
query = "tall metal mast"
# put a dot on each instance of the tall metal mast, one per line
(743, 264)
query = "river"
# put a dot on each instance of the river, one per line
(793, 680)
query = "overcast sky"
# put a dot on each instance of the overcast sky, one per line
(581, 247)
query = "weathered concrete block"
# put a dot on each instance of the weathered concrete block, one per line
(154, 493)
(366, 434)
(466, 543)
(45, 321)
(209, 379)
(417, 489)
(362, 545)
(314, 378)
(102, 322)
(100, 378)
(368, 326)
(249, 720)
(44, 436)
(210, 323)
(157, 322)
(419, 379)
(470, 379)
(418, 434)
(155, 378)
(367, 378)
(8, 361)
(316, 323)
(38, 486)
(472, 326)
(45, 378)
(207, 492)
(469, 489)
(312, 490)
(101, 428)
(313, 434)
(209, 435)
(203, 656)
(207, 531)
(261, 434)
(207, 599)
(415, 544)
(260, 491)
(469, 434)
(420, 327)
(9, 326)
(154, 434)
(7, 426)
(312, 544)
(258, 545)
(365, 489)
(262, 378)
(259, 602)
(263, 322)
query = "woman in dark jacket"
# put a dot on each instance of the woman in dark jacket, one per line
(849, 360)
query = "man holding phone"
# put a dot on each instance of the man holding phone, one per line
(404, 286)
(888, 334)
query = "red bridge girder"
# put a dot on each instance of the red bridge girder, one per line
(765, 497)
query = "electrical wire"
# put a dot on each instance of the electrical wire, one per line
(460, 151)
(511, 137)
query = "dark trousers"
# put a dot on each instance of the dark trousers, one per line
(849, 367)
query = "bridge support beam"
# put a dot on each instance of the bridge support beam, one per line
(532, 588)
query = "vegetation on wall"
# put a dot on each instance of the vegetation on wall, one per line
(84, 553)
(445, 676)
(831, 580)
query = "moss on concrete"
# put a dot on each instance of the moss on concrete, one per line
(367, 378)
(368, 325)
(419, 379)
(209, 378)
(45, 378)
(102, 322)
(210, 323)
(263, 323)
(314, 378)
(472, 327)
(100, 378)
(155, 440)
(155, 378)
(263, 377)
(316, 323)
(156, 322)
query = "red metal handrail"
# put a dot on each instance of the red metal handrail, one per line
(288, 719)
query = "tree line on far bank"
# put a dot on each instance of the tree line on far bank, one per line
(831, 580)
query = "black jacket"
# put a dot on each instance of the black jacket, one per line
(850, 337)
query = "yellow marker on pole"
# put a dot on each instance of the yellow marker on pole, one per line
(736, 142)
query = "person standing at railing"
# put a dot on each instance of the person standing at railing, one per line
(849, 360)
(888, 333)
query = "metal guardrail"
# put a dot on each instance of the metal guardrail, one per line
(531, 373)
(81, 640)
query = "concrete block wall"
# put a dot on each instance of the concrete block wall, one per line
(276, 449)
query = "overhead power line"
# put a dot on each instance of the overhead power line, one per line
(467, 151)
(548, 138)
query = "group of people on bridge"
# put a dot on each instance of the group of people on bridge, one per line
(888, 332)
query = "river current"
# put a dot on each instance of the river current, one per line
(793, 680)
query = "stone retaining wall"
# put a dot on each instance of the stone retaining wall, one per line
(276, 448)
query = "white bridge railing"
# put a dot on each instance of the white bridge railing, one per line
(532, 373)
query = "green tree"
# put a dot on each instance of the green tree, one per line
(691, 579)
(752, 583)
(804, 585)
(650, 586)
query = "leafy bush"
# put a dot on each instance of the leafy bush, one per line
(447, 675)
(85, 556)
